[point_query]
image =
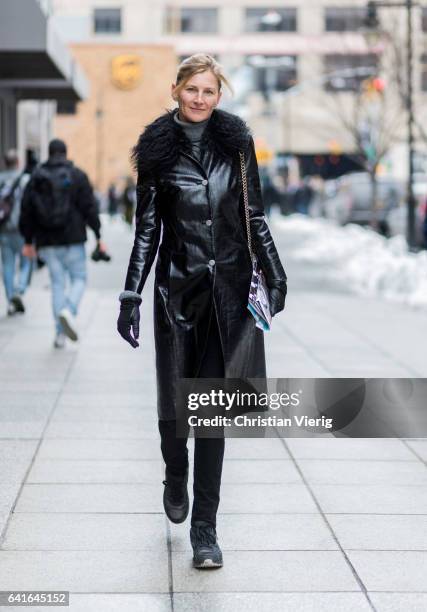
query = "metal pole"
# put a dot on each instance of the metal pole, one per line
(410, 108)
(99, 140)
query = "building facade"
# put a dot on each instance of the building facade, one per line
(36, 69)
(129, 88)
(293, 65)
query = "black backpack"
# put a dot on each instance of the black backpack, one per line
(51, 195)
(7, 200)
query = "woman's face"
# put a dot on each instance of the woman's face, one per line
(198, 97)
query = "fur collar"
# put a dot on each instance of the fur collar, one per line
(160, 144)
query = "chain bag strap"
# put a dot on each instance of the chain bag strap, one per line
(246, 202)
(258, 302)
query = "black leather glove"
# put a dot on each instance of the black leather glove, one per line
(129, 319)
(277, 300)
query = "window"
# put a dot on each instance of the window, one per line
(181, 58)
(348, 19)
(273, 72)
(346, 72)
(11, 121)
(66, 107)
(271, 20)
(424, 18)
(7, 126)
(2, 133)
(107, 21)
(194, 20)
(424, 72)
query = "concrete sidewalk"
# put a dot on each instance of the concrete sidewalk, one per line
(304, 524)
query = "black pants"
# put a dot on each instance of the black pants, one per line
(208, 452)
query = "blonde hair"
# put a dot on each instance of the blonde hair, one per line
(200, 62)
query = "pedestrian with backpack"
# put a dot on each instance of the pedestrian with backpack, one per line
(12, 185)
(57, 206)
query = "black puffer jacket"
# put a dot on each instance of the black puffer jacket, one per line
(203, 267)
(83, 210)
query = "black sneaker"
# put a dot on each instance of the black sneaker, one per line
(19, 304)
(206, 551)
(175, 497)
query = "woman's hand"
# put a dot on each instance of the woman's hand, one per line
(129, 319)
(28, 250)
(277, 300)
(101, 246)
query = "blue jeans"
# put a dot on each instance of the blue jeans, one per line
(11, 244)
(67, 265)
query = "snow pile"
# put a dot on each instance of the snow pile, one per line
(366, 262)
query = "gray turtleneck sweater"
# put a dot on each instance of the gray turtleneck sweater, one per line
(194, 132)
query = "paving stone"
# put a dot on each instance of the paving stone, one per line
(101, 413)
(21, 429)
(124, 378)
(98, 399)
(267, 571)
(111, 602)
(266, 498)
(91, 498)
(371, 499)
(107, 430)
(87, 386)
(359, 449)
(86, 532)
(36, 386)
(84, 571)
(272, 602)
(86, 449)
(13, 471)
(17, 450)
(37, 403)
(420, 447)
(396, 602)
(265, 471)
(68, 471)
(264, 532)
(8, 494)
(255, 448)
(365, 532)
(391, 571)
(345, 472)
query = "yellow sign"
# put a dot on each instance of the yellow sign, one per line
(126, 71)
(263, 155)
(335, 147)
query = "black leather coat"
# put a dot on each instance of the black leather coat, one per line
(203, 268)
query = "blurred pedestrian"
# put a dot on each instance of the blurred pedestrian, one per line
(303, 196)
(189, 164)
(129, 200)
(12, 185)
(425, 224)
(31, 160)
(113, 200)
(270, 192)
(57, 206)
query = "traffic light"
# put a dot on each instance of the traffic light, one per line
(378, 85)
(373, 86)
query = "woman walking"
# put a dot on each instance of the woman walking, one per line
(189, 184)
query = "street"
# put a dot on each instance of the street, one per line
(304, 524)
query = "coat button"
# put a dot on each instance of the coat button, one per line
(212, 262)
(208, 222)
(204, 182)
